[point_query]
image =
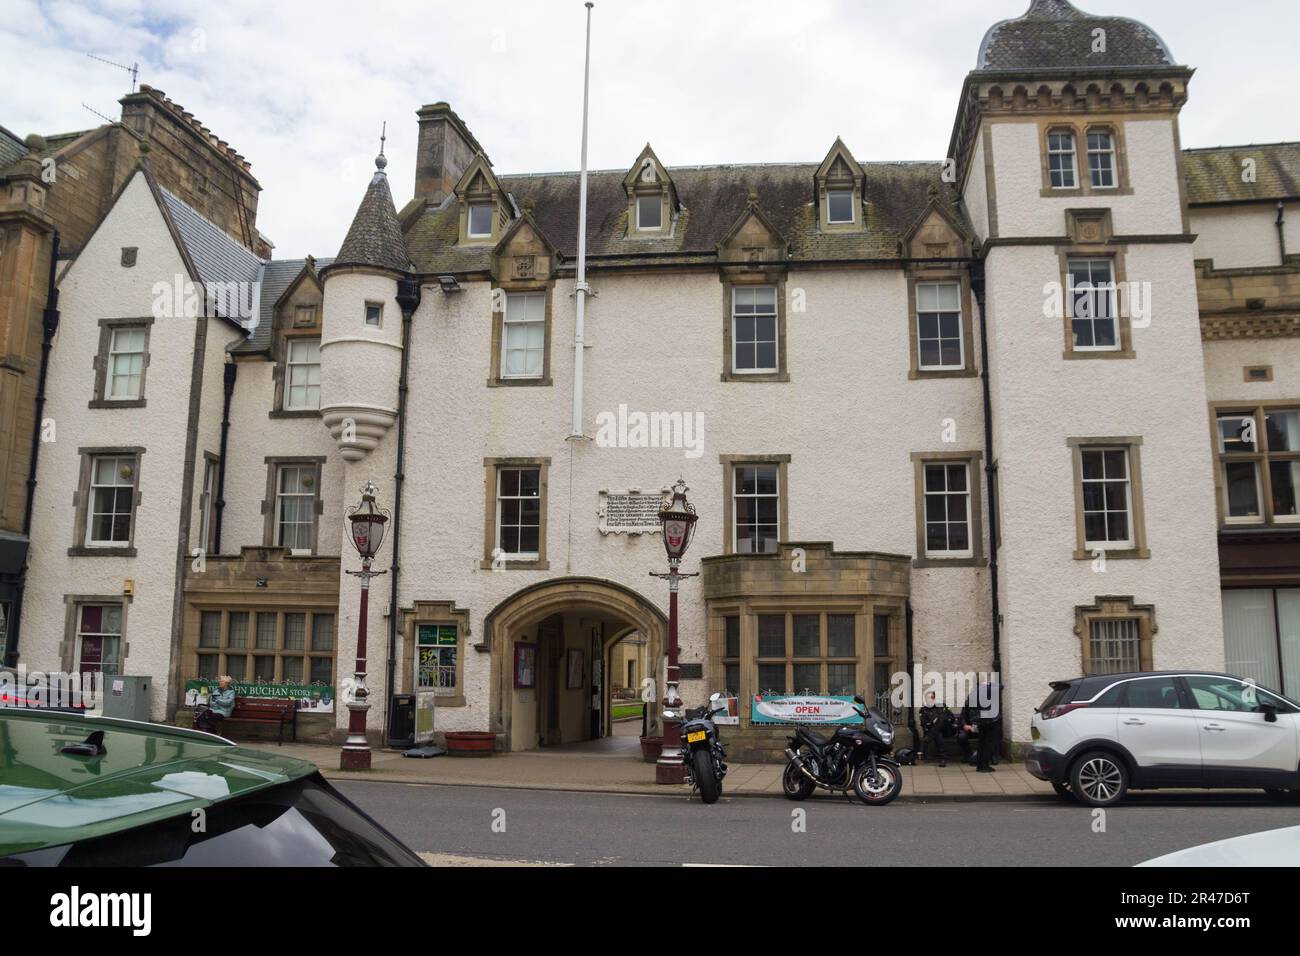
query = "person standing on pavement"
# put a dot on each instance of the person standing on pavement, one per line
(982, 713)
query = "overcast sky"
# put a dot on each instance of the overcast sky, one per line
(300, 89)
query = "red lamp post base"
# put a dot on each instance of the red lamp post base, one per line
(354, 759)
(669, 768)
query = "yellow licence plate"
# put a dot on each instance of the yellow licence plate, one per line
(695, 737)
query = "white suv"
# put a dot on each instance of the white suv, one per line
(1097, 737)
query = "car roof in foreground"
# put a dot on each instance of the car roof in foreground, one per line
(1267, 848)
(148, 772)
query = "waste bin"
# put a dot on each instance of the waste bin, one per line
(401, 722)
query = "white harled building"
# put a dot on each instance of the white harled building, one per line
(837, 357)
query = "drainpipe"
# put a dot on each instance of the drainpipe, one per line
(990, 471)
(917, 743)
(408, 300)
(230, 371)
(1281, 234)
(49, 326)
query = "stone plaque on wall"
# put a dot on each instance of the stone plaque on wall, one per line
(630, 512)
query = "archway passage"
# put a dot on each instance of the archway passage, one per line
(550, 658)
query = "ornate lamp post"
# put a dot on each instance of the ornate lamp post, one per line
(677, 520)
(368, 524)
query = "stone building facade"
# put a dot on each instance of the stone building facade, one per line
(65, 185)
(954, 417)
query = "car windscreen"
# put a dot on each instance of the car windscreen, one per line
(303, 823)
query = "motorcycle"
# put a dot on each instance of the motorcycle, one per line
(854, 757)
(702, 753)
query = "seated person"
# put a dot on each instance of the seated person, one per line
(936, 723)
(221, 704)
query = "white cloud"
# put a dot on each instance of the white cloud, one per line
(301, 89)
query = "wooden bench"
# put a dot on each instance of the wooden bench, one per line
(257, 711)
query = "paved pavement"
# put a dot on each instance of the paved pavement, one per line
(614, 765)
(477, 826)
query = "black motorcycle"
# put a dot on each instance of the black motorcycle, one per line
(854, 757)
(702, 752)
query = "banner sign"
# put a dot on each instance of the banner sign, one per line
(803, 709)
(310, 698)
(425, 702)
(732, 715)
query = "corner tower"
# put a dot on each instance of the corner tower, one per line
(361, 333)
(1067, 149)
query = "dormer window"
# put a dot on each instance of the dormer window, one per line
(839, 205)
(650, 212)
(480, 220)
(652, 202)
(839, 187)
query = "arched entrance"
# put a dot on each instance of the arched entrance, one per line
(543, 640)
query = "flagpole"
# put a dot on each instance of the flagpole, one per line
(580, 286)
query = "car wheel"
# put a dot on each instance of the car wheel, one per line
(1098, 779)
(1063, 790)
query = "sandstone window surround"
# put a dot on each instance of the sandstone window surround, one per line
(1096, 320)
(753, 487)
(949, 509)
(1257, 453)
(425, 628)
(251, 642)
(106, 501)
(1090, 156)
(515, 499)
(839, 187)
(297, 373)
(940, 326)
(121, 363)
(754, 328)
(484, 209)
(652, 202)
(110, 630)
(521, 334)
(1115, 635)
(1108, 500)
(292, 507)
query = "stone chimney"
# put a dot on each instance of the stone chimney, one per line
(445, 149)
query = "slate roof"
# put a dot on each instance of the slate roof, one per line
(277, 276)
(1054, 34)
(375, 236)
(12, 148)
(217, 258)
(713, 199)
(1214, 175)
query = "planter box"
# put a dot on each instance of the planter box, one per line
(651, 748)
(470, 743)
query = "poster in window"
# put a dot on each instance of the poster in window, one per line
(525, 666)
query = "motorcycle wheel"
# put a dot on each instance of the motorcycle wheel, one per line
(795, 783)
(884, 788)
(705, 779)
